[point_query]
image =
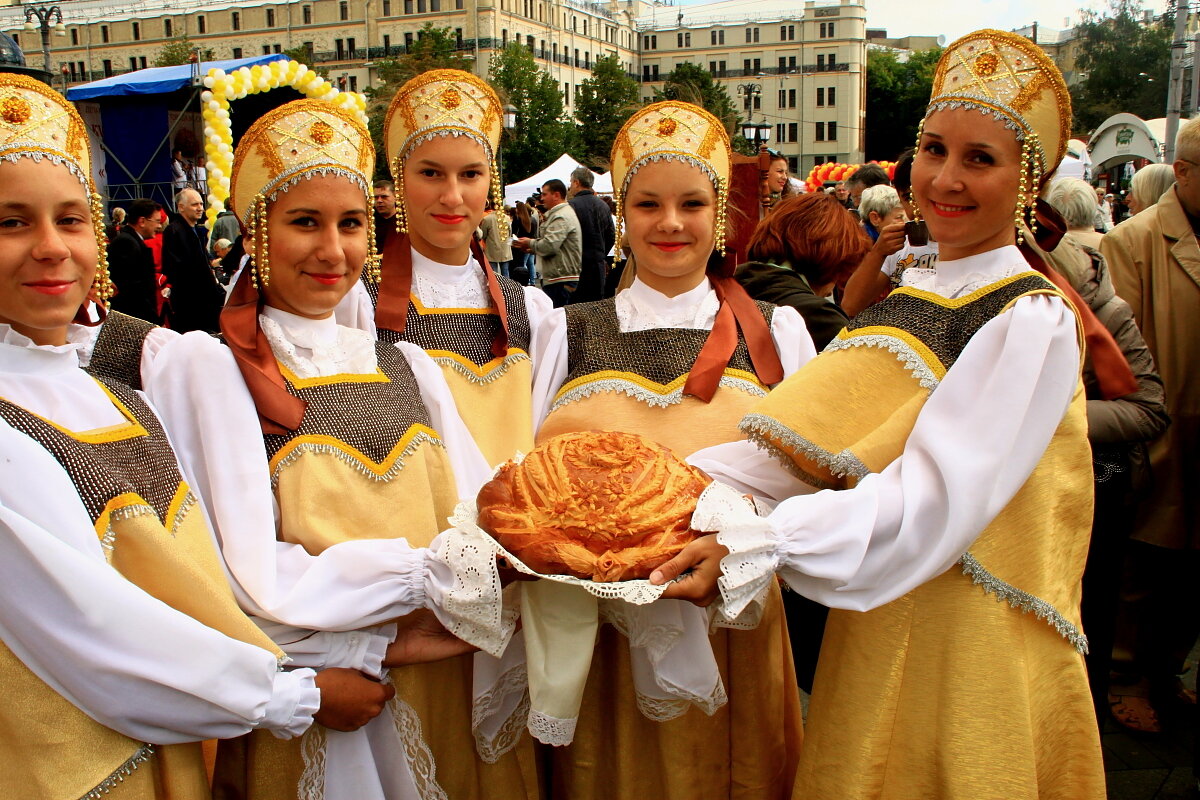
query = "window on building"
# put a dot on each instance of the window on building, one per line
(104, 32)
(782, 64)
(757, 66)
(820, 132)
(387, 8)
(343, 10)
(779, 132)
(458, 40)
(832, 128)
(75, 33)
(503, 37)
(757, 102)
(712, 68)
(821, 63)
(339, 48)
(235, 21)
(683, 39)
(408, 6)
(435, 5)
(237, 52)
(387, 45)
(270, 18)
(793, 131)
(107, 65)
(266, 49)
(137, 31)
(820, 96)
(791, 33)
(420, 6)
(831, 36)
(458, 5)
(350, 47)
(306, 15)
(577, 56)
(354, 83)
(721, 69)
(832, 61)
(408, 42)
(277, 48)
(791, 98)
(829, 94)
(132, 63)
(529, 43)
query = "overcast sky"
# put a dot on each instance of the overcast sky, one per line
(956, 17)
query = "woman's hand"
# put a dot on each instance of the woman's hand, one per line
(703, 557)
(349, 699)
(420, 638)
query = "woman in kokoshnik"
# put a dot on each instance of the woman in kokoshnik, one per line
(329, 467)
(949, 421)
(123, 645)
(678, 355)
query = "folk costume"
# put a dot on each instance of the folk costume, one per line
(327, 522)
(123, 645)
(950, 421)
(682, 371)
(475, 324)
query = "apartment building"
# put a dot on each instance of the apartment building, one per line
(800, 69)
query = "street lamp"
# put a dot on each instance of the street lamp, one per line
(509, 121)
(510, 117)
(44, 16)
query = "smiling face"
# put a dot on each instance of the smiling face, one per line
(670, 218)
(446, 182)
(47, 248)
(318, 245)
(966, 177)
(777, 177)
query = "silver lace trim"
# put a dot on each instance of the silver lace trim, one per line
(699, 164)
(118, 776)
(1023, 601)
(306, 171)
(109, 539)
(185, 506)
(764, 431)
(314, 447)
(912, 361)
(474, 377)
(12, 151)
(420, 137)
(653, 399)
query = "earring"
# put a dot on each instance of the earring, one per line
(256, 224)
(374, 274)
(618, 227)
(102, 285)
(722, 206)
(502, 226)
(401, 212)
(912, 198)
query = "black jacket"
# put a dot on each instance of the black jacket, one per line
(131, 265)
(596, 237)
(196, 297)
(786, 287)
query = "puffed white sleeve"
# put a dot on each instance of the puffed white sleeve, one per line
(127, 660)
(549, 363)
(198, 392)
(471, 469)
(538, 306)
(978, 438)
(792, 339)
(361, 650)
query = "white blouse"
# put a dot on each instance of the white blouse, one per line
(210, 414)
(641, 308)
(978, 438)
(125, 658)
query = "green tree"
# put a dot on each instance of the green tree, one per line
(178, 51)
(1126, 65)
(897, 94)
(543, 131)
(603, 103)
(691, 83)
(434, 48)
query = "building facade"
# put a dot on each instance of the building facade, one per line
(801, 69)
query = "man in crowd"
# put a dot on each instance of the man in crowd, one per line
(225, 227)
(196, 297)
(131, 263)
(1155, 263)
(596, 235)
(498, 250)
(842, 194)
(557, 245)
(865, 177)
(383, 194)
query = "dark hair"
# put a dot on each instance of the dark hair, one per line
(384, 183)
(813, 233)
(868, 175)
(141, 209)
(556, 186)
(608, 201)
(902, 174)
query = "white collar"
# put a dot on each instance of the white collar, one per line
(443, 273)
(314, 334)
(20, 354)
(641, 291)
(641, 307)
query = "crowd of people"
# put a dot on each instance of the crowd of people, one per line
(225, 568)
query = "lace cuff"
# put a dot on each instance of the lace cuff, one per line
(749, 568)
(294, 699)
(552, 730)
(462, 587)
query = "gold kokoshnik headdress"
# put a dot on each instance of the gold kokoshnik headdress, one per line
(673, 131)
(37, 122)
(1010, 78)
(444, 102)
(289, 144)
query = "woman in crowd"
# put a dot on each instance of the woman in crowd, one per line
(677, 356)
(1118, 430)
(122, 642)
(779, 178)
(1148, 185)
(321, 436)
(437, 291)
(525, 226)
(805, 247)
(950, 421)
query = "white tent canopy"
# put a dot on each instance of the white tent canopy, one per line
(561, 169)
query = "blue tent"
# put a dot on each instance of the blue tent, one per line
(134, 114)
(160, 80)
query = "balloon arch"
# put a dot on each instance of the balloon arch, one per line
(824, 173)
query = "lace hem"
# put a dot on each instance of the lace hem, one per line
(473, 608)
(552, 730)
(312, 751)
(118, 775)
(420, 759)
(749, 568)
(491, 703)
(1024, 601)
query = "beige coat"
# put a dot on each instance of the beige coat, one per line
(1155, 263)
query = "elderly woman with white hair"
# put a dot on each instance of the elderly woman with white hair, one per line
(1076, 201)
(1148, 185)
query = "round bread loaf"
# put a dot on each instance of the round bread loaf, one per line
(599, 505)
